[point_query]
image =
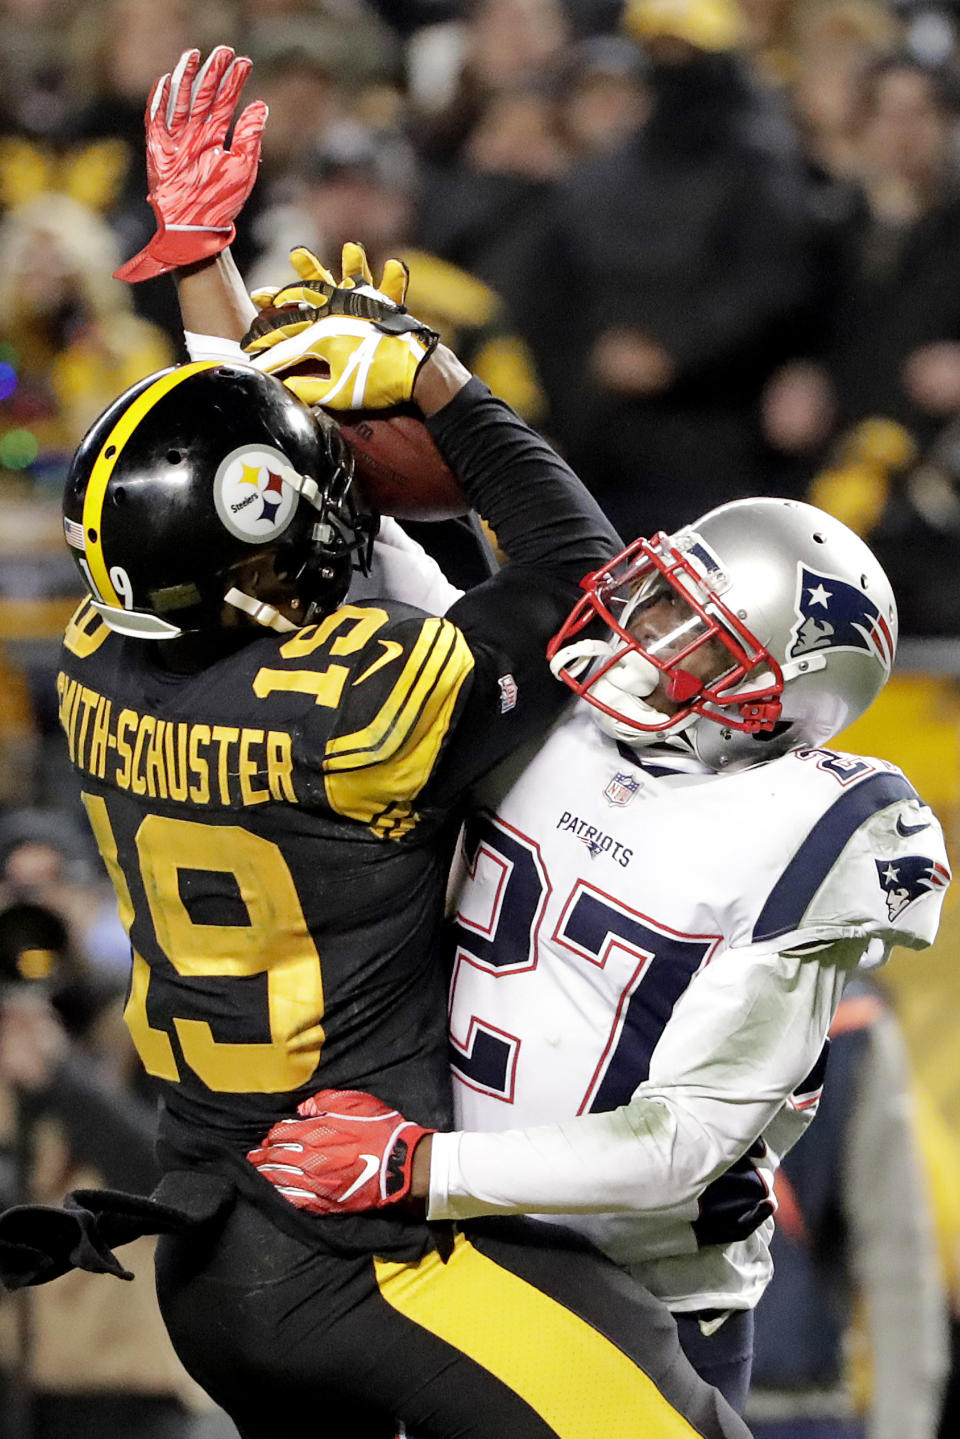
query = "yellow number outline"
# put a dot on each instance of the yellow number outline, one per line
(86, 631)
(276, 942)
(326, 686)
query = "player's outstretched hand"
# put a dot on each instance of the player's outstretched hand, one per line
(346, 346)
(346, 1153)
(197, 187)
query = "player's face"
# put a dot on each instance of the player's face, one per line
(664, 624)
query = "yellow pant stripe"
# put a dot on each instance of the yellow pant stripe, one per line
(104, 464)
(580, 1383)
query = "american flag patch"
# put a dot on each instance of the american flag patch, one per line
(508, 693)
(74, 534)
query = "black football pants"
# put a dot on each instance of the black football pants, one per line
(516, 1336)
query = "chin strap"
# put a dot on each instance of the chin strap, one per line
(621, 729)
(258, 610)
(576, 657)
(622, 688)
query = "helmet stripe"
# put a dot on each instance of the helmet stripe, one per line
(104, 464)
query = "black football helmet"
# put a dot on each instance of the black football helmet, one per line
(191, 473)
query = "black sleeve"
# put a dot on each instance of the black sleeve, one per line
(113, 1131)
(553, 533)
(459, 546)
(540, 512)
(512, 695)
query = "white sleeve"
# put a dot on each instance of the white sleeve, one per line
(789, 1124)
(888, 883)
(402, 570)
(743, 1036)
(213, 347)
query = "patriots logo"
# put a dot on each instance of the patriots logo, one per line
(833, 614)
(909, 877)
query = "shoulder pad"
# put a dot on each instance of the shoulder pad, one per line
(871, 863)
(385, 682)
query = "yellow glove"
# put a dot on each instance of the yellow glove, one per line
(316, 280)
(286, 310)
(350, 346)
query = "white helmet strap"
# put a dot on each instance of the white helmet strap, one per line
(622, 688)
(264, 614)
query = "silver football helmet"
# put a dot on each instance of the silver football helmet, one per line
(765, 626)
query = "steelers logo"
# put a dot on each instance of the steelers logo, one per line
(250, 495)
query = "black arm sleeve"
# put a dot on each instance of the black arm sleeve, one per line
(512, 696)
(110, 1130)
(540, 512)
(554, 534)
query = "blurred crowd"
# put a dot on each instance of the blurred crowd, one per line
(710, 249)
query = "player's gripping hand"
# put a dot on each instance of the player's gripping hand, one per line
(348, 1152)
(316, 283)
(346, 346)
(197, 187)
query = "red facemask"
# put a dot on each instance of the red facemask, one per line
(670, 631)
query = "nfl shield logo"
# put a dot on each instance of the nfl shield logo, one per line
(621, 788)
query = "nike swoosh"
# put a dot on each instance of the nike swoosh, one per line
(391, 649)
(371, 1166)
(907, 829)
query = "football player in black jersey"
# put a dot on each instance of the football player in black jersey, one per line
(274, 777)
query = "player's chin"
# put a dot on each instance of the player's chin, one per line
(659, 701)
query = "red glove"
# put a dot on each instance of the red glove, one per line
(197, 188)
(348, 1152)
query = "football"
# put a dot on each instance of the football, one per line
(398, 467)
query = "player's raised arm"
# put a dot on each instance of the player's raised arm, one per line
(354, 346)
(197, 186)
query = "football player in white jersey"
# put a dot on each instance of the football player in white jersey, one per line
(658, 910)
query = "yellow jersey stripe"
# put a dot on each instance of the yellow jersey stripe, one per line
(380, 793)
(104, 464)
(440, 651)
(579, 1382)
